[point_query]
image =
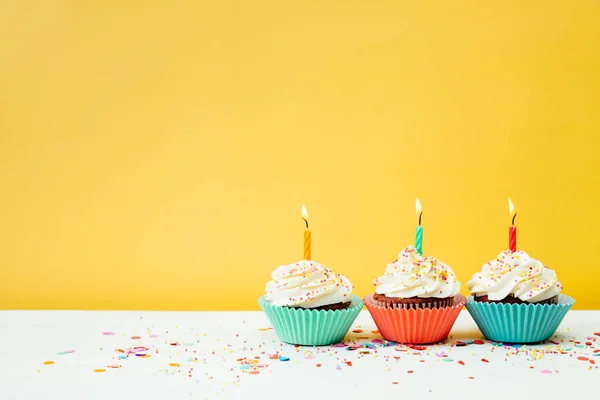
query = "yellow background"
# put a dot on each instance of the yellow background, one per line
(155, 155)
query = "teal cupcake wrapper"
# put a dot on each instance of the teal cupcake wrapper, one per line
(311, 327)
(519, 323)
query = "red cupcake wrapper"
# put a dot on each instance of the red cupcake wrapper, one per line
(420, 326)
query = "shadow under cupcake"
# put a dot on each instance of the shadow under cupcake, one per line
(516, 299)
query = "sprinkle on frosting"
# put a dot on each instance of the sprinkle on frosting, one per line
(307, 284)
(413, 275)
(518, 274)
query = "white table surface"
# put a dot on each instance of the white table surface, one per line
(213, 345)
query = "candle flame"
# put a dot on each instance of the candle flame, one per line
(511, 207)
(419, 208)
(305, 215)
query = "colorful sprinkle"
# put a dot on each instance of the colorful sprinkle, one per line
(282, 358)
(48, 362)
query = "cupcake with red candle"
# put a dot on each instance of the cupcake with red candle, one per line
(416, 300)
(516, 298)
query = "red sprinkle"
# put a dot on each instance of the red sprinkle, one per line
(471, 377)
(410, 371)
(394, 383)
(592, 362)
(477, 341)
(357, 331)
(553, 342)
(318, 365)
(349, 363)
(583, 358)
(461, 362)
(484, 360)
(597, 333)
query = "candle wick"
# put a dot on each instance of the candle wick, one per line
(306, 222)
(420, 214)
(513, 220)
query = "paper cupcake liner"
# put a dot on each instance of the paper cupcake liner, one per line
(420, 326)
(519, 323)
(311, 327)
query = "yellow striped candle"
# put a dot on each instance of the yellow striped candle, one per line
(307, 243)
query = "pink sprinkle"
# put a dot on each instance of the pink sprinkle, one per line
(108, 333)
(546, 371)
(339, 345)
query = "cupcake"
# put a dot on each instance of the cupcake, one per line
(516, 299)
(416, 300)
(309, 304)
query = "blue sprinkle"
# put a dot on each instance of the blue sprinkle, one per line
(245, 366)
(282, 358)
(446, 359)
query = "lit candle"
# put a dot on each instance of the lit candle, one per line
(512, 229)
(419, 235)
(306, 234)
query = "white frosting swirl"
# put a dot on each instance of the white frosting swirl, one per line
(307, 284)
(517, 274)
(413, 275)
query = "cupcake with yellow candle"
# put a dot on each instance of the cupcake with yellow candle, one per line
(309, 304)
(416, 300)
(516, 299)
